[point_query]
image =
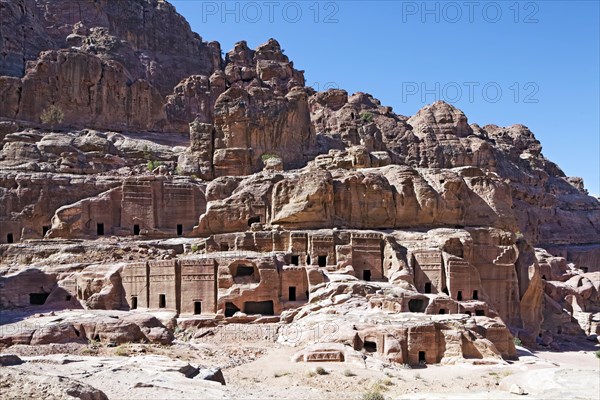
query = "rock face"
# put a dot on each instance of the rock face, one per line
(424, 239)
(147, 37)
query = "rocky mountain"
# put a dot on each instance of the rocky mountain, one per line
(282, 205)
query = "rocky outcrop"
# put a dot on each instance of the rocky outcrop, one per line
(90, 92)
(383, 198)
(81, 328)
(148, 37)
(550, 208)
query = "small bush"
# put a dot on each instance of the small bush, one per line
(122, 351)
(366, 116)
(382, 385)
(321, 371)
(372, 395)
(517, 341)
(52, 116)
(597, 353)
(194, 248)
(311, 374)
(268, 156)
(153, 164)
(348, 372)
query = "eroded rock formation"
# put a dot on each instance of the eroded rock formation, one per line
(421, 239)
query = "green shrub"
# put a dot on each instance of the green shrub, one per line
(598, 353)
(122, 351)
(517, 341)
(366, 116)
(153, 164)
(194, 248)
(52, 116)
(372, 395)
(348, 372)
(268, 156)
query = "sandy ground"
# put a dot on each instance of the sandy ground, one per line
(256, 367)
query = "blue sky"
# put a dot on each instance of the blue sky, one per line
(501, 62)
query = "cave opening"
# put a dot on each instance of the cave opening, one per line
(230, 309)
(38, 299)
(367, 275)
(417, 305)
(370, 346)
(322, 261)
(427, 287)
(253, 220)
(259, 307)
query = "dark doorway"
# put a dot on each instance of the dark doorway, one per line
(480, 313)
(421, 357)
(259, 307)
(427, 287)
(585, 270)
(136, 230)
(133, 302)
(308, 259)
(179, 230)
(322, 261)
(442, 311)
(417, 305)
(475, 295)
(292, 293)
(224, 246)
(367, 275)
(100, 229)
(37, 299)
(543, 276)
(230, 309)
(162, 300)
(370, 346)
(68, 297)
(10, 238)
(295, 260)
(445, 291)
(253, 220)
(459, 295)
(197, 307)
(468, 313)
(243, 270)
(45, 230)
